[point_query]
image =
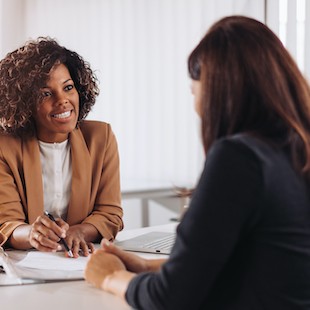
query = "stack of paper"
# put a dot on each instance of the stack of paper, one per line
(34, 266)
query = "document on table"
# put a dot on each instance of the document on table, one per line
(28, 266)
(46, 260)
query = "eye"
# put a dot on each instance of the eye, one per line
(46, 94)
(69, 87)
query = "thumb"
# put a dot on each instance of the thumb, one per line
(106, 245)
(110, 247)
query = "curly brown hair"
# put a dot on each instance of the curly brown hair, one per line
(25, 71)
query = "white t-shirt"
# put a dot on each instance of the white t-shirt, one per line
(56, 176)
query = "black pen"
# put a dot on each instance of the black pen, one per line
(63, 241)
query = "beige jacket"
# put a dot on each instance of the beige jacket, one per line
(95, 189)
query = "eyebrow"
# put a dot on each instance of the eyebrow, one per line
(67, 81)
(64, 82)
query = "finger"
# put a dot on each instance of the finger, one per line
(84, 248)
(41, 243)
(46, 241)
(111, 248)
(57, 230)
(91, 247)
(47, 232)
(43, 235)
(87, 248)
(75, 248)
(132, 261)
(62, 224)
(68, 255)
(105, 244)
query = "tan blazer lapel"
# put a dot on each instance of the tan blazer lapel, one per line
(81, 179)
(33, 178)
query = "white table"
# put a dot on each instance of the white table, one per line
(77, 295)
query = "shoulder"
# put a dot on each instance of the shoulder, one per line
(6, 138)
(243, 153)
(245, 145)
(95, 126)
(11, 148)
(233, 154)
(9, 142)
(93, 130)
(95, 134)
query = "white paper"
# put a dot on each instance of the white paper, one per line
(47, 261)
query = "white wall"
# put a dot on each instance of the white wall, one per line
(11, 25)
(139, 50)
(290, 20)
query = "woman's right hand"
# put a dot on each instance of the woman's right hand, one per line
(45, 234)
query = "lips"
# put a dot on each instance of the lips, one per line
(62, 115)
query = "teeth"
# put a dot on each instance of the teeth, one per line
(62, 115)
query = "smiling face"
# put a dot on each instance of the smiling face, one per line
(57, 114)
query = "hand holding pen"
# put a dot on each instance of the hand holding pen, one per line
(62, 241)
(45, 234)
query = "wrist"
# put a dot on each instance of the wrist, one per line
(117, 282)
(153, 265)
(106, 282)
(20, 237)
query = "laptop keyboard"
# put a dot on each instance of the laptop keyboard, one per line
(164, 243)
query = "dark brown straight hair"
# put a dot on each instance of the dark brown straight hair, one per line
(251, 84)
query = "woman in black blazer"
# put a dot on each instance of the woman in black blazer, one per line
(244, 242)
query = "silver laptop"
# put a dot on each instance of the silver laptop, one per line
(152, 242)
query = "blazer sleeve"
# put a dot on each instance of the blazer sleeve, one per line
(107, 212)
(12, 213)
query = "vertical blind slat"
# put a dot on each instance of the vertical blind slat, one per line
(307, 40)
(291, 34)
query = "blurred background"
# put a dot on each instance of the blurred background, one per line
(139, 50)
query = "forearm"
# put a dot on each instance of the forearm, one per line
(153, 265)
(20, 238)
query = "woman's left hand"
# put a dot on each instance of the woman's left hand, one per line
(77, 240)
(100, 265)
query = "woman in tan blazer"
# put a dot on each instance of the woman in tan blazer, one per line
(51, 159)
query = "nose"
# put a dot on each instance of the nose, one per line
(60, 96)
(62, 100)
